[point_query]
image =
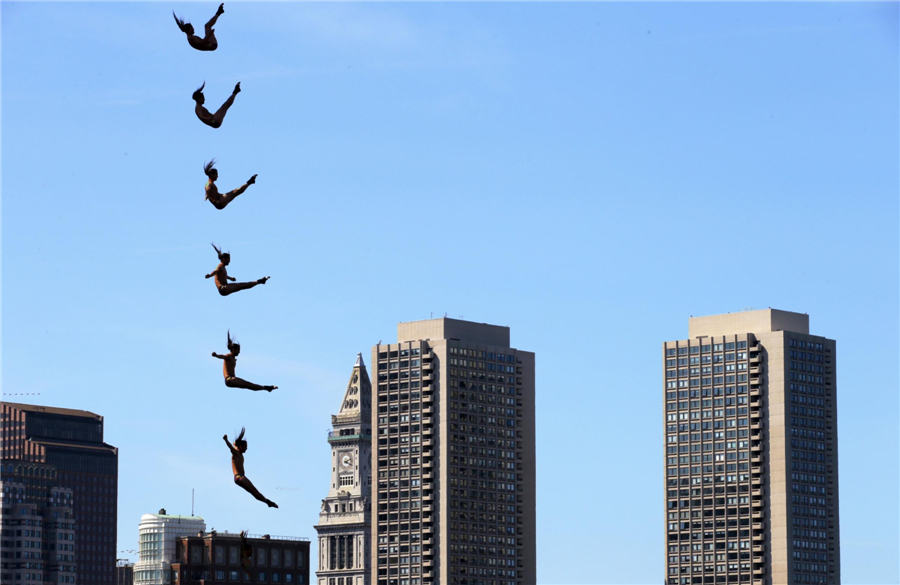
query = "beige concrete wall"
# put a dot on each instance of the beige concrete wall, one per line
(757, 322)
(446, 328)
(778, 484)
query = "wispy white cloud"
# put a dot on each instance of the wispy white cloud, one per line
(391, 39)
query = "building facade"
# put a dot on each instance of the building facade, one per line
(72, 442)
(214, 558)
(751, 452)
(345, 518)
(124, 572)
(453, 457)
(156, 545)
(37, 526)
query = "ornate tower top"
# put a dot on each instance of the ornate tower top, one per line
(357, 404)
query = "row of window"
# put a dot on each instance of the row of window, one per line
(399, 353)
(706, 348)
(240, 577)
(484, 355)
(706, 359)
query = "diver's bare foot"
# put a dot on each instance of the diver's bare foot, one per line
(252, 180)
(221, 9)
(271, 504)
(270, 388)
(263, 279)
(237, 89)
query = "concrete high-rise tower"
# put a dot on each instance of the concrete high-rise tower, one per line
(751, 452)
(453, 457)
(345, 519)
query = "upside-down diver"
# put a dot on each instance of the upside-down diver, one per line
(208, 42)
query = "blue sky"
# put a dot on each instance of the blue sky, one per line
(588, 174)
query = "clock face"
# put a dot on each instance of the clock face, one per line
(346, 461)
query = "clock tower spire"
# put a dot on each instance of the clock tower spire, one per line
(345, 518)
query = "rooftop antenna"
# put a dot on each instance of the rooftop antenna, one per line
(192, 501)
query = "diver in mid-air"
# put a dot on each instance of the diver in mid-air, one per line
(208, 42)
(237, 466)
(230, 358)
(219, 200)
(213, 120)
(221, 275)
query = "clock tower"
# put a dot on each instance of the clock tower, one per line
(345, 518)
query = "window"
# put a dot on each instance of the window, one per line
(346, 480)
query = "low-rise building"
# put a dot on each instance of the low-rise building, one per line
(124, 572)
(214, 558)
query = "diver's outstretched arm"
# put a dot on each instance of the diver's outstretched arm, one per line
(235, 382)
(215, 355)
(251, 489)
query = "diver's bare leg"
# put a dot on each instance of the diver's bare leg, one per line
(251, 489)
(219, 116)
(212, 21)
(241, 383)
(229, 197)
(234, 287)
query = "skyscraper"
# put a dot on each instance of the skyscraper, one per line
(751, 452)
(71, 441)
(345, 518)
(453, 457)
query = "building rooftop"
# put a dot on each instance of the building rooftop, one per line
(171, 516)
(75, 445)
(447, 328)
(764, 321)
(226, 534)
(54, 410)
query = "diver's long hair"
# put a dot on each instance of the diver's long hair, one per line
(239, 440)
(219, 252)
(209, 167)
(196, 95)
(181, 23)
(232, 343)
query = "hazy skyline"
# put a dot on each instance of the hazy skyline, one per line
(595, 166)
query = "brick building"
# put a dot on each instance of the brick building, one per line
(214, 558)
